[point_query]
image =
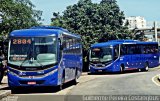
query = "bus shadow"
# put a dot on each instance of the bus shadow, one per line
(5, 88)
(32, 90)
(116, 73)
(1, 84)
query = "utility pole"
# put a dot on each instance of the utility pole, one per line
(155, 31)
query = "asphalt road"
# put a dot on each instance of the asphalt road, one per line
(129, 83)
(133, 83)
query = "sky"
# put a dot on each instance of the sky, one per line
(149, 9)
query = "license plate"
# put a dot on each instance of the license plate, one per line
(31, 83)
(99, 70)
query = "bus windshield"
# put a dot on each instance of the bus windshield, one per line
(35, 51)
(103, 54)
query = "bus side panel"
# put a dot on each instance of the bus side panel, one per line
(138, 60)
(132, 61)
(116, 65)
(153, 60)
(70, 62)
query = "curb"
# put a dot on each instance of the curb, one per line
(84, 73)
(4, 93)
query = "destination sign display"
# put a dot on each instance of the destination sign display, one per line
(21, 41)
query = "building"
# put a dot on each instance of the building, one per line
(135, 22)
(1, 17)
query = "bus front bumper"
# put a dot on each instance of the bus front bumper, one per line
(44, 80)
(110, 68)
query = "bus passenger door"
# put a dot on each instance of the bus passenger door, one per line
(68, 58)
(61, 60)
(116, 55)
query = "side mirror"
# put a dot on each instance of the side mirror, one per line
(60, 43)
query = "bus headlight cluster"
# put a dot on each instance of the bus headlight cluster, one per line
(52, 72)
(12, 73)
(91, 64)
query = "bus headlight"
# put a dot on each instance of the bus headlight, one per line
(12, 73)
(52, 72)
(91, 64)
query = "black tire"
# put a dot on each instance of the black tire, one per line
(1, 75)
(90, 73)
(14, 90)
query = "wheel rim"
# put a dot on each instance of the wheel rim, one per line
(146, 68)
(121, 69)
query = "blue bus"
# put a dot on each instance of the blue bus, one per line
(43, 56)
(121, 55)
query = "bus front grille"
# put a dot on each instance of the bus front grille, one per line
(100, 65)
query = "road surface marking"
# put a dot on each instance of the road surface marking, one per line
(153, 80)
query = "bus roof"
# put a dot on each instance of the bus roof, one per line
(123, 40)
(41, 31)
(104, 44)
(117, 42)
(50, 27)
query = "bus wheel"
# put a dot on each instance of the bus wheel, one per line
(121, 68)
(14, 90)
(140, 70)
(76, 78)
(146, 68)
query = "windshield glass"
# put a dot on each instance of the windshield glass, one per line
(33, 51)
(102, 54)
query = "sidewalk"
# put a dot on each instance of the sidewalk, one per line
(84, 73)
(4, 92)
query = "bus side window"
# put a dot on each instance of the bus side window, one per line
(123, 50)
(116, 52)
(144, 49)
(132, 49)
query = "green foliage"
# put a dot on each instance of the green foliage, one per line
(17, 14)
(95, 22)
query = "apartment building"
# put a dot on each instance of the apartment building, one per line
(135, 22)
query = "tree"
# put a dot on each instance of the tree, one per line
(17, 14)
(95, 22)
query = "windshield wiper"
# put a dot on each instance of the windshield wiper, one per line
(28, 55)
(39, 63)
